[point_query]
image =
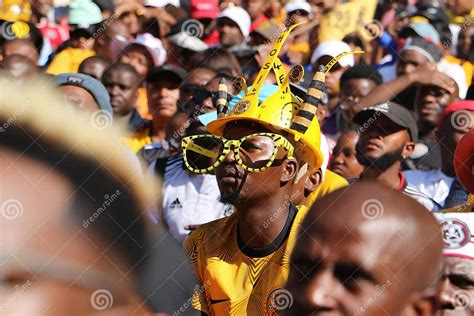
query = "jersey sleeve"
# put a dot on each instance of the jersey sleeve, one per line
(192, 246)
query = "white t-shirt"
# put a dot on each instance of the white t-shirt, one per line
(189, 198)
(433, 183)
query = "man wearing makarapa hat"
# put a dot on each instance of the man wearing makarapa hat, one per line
(264, 149)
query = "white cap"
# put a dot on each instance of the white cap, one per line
(458, 234)
(184, 40)
(161, 3)
(239, 16)
(295, 5)
(334, 48)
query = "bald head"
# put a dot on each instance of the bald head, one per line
(358, 240)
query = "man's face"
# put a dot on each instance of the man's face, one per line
(382, 143)
(336, 272)
(333, 76)
(229, 32)
(79, 97)
(411, 61)
(163, 96)
(235, 184)
(456, 287)
(430, 102)
(21, 48)
(255, 8)
(138, 58)
(344, 161)
(122, 87)
(351, 92)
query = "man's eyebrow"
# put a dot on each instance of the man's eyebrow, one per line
(354, 270)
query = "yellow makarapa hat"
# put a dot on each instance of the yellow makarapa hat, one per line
(282, 110)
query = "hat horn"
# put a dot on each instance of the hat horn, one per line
(222, 104)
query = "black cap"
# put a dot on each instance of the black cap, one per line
(393, 111)
(157, 73)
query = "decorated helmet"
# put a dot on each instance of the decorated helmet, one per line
(281, 110)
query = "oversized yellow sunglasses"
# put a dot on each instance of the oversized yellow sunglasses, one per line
(255, 153)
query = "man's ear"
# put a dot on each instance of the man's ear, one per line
(290, 169)
(408, 149)
(313, 181)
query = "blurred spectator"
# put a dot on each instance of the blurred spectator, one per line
(219, 60)
(234, 26)
(430, 102)
(196, 79)
(23, 47)
(356, 83)
(122, 81)
(387, 137)
(298, 11)
(84, 92)
(344, 160)
(322, 56)
(19, 67)
(276, 12)
(94, 66)
(256, 10)
(356, 43)
(112, 37)
(162, 86)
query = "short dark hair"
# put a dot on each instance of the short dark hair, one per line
(122, 67)
(218, 59)
(361, 71)
(99, 59)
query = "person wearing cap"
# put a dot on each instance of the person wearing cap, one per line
(455, 287)
(321, 56)
(416, 66)
(162, 87)
(454, 122)
(233, 25)
(364, 250)
(257, 162)
(388, 135)
(84, 91)
(299, 51)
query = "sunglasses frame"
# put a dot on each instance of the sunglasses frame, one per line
(280, 141)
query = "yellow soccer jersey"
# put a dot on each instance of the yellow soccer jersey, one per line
(236, 280)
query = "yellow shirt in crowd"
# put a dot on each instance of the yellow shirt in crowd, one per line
(68, 60)
(238, 283)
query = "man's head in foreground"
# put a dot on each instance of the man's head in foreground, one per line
(71, 213)
(360, 255)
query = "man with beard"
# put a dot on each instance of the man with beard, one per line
(430, 102)
(388, 135)
(258, 152)
(360, 255)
